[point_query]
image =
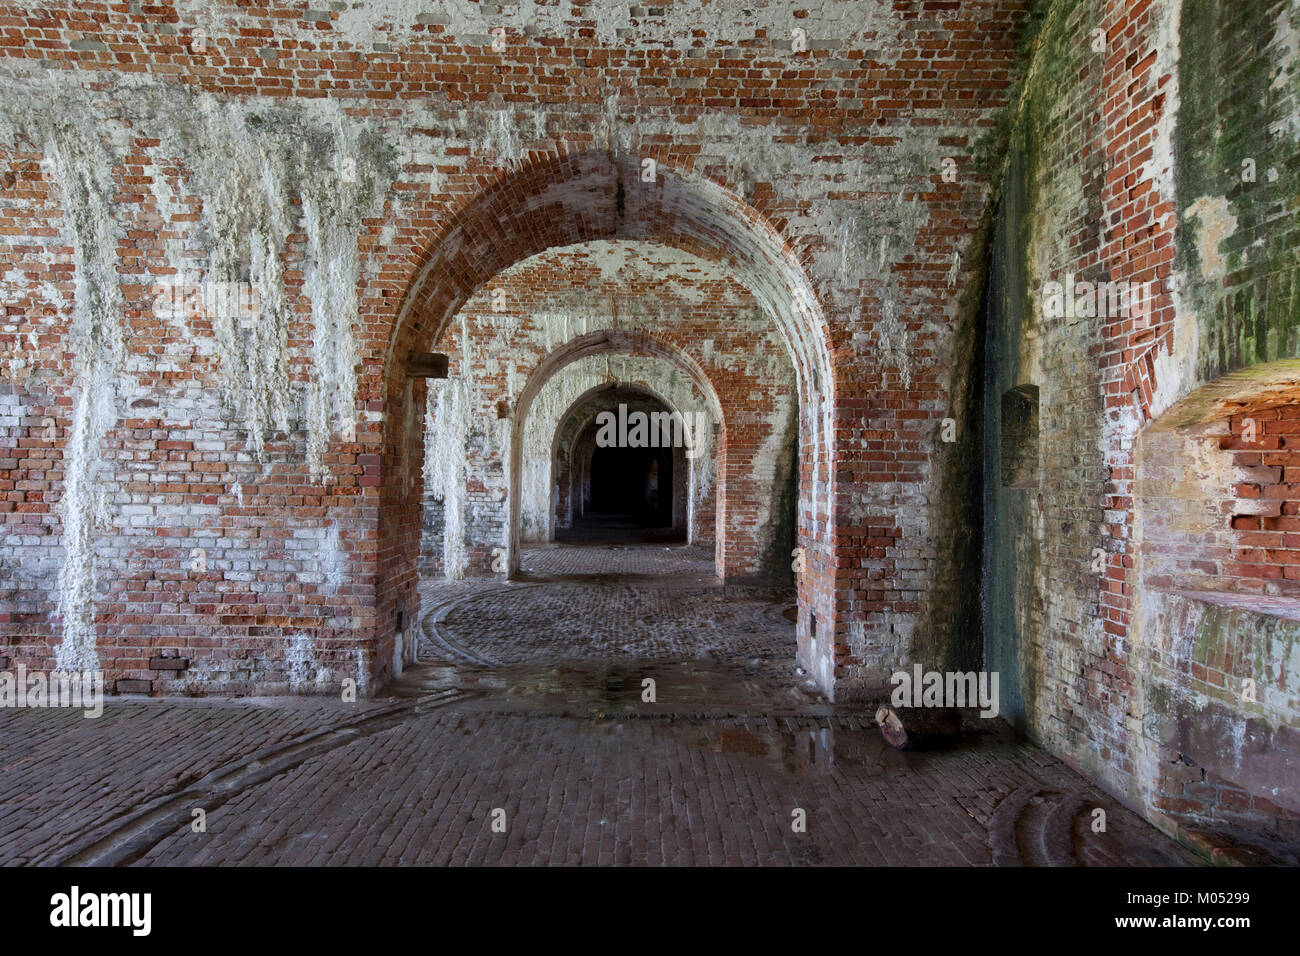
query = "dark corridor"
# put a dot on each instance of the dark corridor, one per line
(632, 485)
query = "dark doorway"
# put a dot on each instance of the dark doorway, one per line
(634, 484)
(622, 477)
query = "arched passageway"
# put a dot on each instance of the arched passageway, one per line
(629, 484)
(562, 200)
(680, 395)
(618, 487)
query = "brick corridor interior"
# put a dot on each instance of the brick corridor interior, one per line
(609, 414)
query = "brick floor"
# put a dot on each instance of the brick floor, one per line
(677, 560)
(619, 622)
(63, 776)
(533, 704)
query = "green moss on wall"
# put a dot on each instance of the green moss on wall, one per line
(1232, 111)
(1041, 18)
(1042, 184)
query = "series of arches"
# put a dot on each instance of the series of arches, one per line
(574, 455)
(567, 198)
(575, 373)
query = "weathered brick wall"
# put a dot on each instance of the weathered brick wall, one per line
(1221, 503)
(1215, 575)
(144, 531)
(1221, 705)
(247, 495)
(1042, 602)
(1128, 164)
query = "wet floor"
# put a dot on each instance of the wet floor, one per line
(619, 707)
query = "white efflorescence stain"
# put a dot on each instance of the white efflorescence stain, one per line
(250, 163)
(303, 669)
(333, 561)
(446, 439)
(98, 351)
(386, 24)
(80, 152)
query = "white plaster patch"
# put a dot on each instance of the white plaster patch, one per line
(304, 670)
(1217, 223)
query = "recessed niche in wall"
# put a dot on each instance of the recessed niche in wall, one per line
(1020, 437)
(1218, 490)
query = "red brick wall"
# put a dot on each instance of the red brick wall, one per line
(1268, 547)
(787, 166)
(1135, 125)
(1223, 512)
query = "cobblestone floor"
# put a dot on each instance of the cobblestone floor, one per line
(585, 561)
(529, 712)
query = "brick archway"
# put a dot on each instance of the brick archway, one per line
(574, 443)
(561, 198)
(696, 391)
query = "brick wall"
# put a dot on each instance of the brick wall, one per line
(369, 173)
(1268, 546)
(1127, 164)
(1221, 504)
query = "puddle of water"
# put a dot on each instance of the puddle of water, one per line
(810, 750)
(652, 688)
(730, 708)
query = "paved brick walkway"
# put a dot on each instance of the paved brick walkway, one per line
(533, 705)
(564, 622)
(676, 560)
